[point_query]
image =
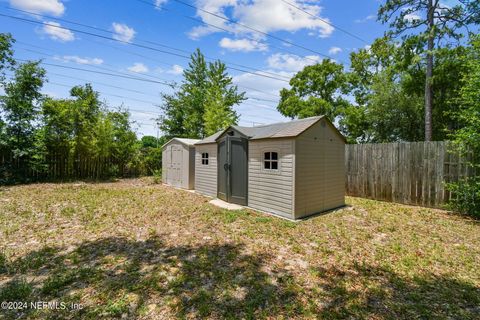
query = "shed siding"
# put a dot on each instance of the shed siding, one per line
(271, 191)
(320, 170)
(206, 175)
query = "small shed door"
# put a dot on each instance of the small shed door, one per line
(176, 166)
(233, 170)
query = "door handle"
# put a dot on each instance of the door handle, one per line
(226, 166)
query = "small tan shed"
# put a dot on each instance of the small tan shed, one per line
(178, 163)
(292, 169)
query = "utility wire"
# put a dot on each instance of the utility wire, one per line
(126, 76)
(109, 94)
(285, 41)
(130, 73)
(262, 72)
(323, 20)
(101, 84)
(222, 29)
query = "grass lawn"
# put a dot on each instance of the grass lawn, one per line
(134, 249)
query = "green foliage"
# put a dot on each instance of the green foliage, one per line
(466, 140)
(151, 154)
(16, 290)
(316, 90)
(6, 55)
(429, 25)
(221, 94)
(203, 103)
(157, 176)
(20, 106)
(467, 196)
(403, 16)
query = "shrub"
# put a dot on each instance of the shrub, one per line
(157, 176)
(466, 196)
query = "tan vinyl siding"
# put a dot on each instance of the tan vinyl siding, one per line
(271, 191)
(206, 175)
(320, 170)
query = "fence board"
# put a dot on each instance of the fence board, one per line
(406, 172)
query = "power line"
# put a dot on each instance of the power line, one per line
(128, 98)
(109, 94)
(99, 67)
(323, 20)
(100, 72)
(261, 74)
(222, 29)
(254, 29)
(102, 84)
(124, 75)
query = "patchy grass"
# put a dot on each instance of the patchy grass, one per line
(135, 249)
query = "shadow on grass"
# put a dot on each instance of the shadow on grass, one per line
(364, 291)
(115, 277)
(137, 278)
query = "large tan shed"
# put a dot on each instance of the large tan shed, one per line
(293, 169)
(178, 165)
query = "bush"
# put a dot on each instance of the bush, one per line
(157, 176)
(466, 196)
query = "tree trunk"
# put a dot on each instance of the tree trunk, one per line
(429, 73)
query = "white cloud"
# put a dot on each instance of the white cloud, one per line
(290, 62)
(55, 32)
(245, 45)
(176, 70)
(123, 32)
(334, 50)
(160, 3)
(80, 60)
(138, 68)
(262, 15)
(53, 7)
(412, 17)
(366, 19)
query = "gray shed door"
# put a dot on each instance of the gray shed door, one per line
(222, 170)
(233, 170)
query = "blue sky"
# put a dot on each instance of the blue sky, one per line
(137, 22)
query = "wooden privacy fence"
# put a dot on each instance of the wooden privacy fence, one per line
(406, 172)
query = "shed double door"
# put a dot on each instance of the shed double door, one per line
(174, 170)
(233, 170)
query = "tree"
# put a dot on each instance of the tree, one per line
(316, 90)
(221, 94)
(466, 140)
(433, 21)
(21, 110)
(387, 82)
(85, 115)
(6, 55)
(6, 63)
(183, 110)
(204, 86)
(124, 146)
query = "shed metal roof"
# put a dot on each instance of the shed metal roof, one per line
(185, 141)
(276, 130)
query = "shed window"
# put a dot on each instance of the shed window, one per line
(205, 158)
(270, 161)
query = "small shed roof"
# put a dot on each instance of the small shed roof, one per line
(185, 141)
(275, 130)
